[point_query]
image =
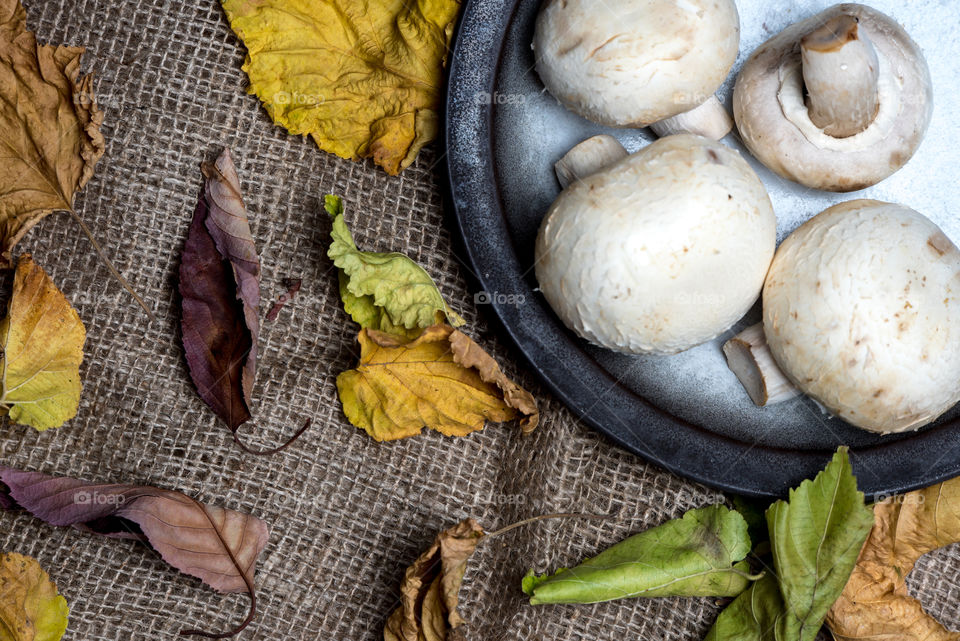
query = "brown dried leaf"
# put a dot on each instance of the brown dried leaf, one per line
(49, 127)
(469, 354)
(431, 586)
(875, 604)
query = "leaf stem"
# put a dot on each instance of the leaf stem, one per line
(249, 450)
(109, 265)
(542, 517)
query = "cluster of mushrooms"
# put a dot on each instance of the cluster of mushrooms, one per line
(667, 248)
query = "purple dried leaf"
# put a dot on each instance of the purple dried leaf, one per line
(218, 546)
(220, 294)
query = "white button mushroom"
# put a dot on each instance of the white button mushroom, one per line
(861, 310)
(632, 63)
(661, 251)
(837, 102)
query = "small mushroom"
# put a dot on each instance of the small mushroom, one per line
(643, 62)
(659, 252)
(861, 311)
(837, 102)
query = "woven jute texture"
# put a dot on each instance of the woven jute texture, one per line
(346, 514)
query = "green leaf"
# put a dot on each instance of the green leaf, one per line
(816, 538)
(752, 616)
(388, 292)
(700, 554)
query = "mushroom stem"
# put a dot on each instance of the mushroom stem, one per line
(749, 357)
(711, 119)
(840, 71)
(588, 157)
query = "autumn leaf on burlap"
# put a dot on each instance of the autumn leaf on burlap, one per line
(430, 588)
(220, 296)
(42, 341)
(388, 292)
(875, 604)
(49, 128)
(362, 78)
(30, 607)
(441, 380)
(218, 546)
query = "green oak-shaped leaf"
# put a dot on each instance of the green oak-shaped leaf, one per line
(388, 292)
(30, 608)
(816, 537)
(700, 554)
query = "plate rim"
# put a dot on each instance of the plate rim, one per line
(474, 196)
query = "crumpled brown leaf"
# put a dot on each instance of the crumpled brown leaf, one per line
(441, 380)
(430, 588)
(50, 128)
(875, 605)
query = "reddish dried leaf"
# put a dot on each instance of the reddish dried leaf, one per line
(220, 293)
(218, 546)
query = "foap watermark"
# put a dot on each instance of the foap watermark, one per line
(84, 497)
(497, 98)
(499, 298)
(297, 99)
(911, 498)
(494, 499)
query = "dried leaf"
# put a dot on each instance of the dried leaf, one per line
(363, 79)
(399, 387)
(700, 554)
(468, 354)
(42, 340)
(430, 588)
(220, 294)
(875, 604)
(388, 292)
(50, 124)
(218, 546)
(30, 607)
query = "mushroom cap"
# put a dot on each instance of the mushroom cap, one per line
(661, 251)
(769, 108)
(861, 310)
(642, 62)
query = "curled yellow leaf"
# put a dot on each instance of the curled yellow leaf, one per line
(30, 607)
(42, 340)
(361, 78)
(875, 604)
(441, 380)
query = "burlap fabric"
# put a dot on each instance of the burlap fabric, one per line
(346, 514)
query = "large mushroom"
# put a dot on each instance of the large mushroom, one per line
(640, 62)
(660, 251)
(837, 102)
(861, 311)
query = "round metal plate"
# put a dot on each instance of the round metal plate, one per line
(687, 412)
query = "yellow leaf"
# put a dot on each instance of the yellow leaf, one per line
(30, 608)
(439, 380)
(42, 340)
(49, 128)
(875, 604)
(362, 78)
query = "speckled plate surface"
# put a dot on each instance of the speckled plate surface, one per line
(685, 412)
